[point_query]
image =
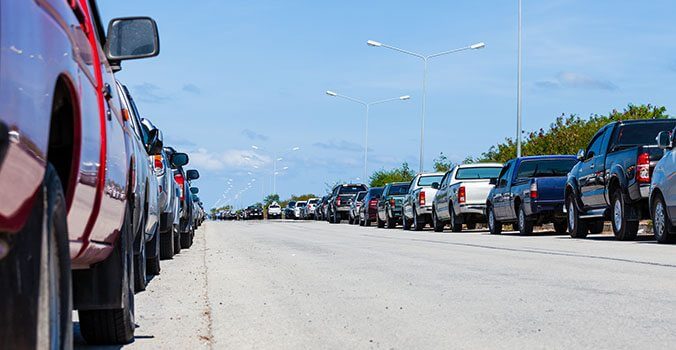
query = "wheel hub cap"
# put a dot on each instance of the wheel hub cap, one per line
(617, 214)
(660, 221)
(571, 214)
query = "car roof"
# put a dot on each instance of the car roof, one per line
(430, 174)
(552, 156)
(479, 165)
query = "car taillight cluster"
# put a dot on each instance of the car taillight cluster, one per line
(181, 185)
(338, 201)
(373, 203)
(421, 198)
(643, 168)
(159, 165)
(462, 197)
(392, 202)
(534, 190)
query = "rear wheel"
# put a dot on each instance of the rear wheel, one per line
(153, 247)
(437, 224)
(561, 227)
(525, 225)
(115, 326)
(455, 225)
(595, 227)
(167, 244)
(494, 226)
(381, 223)
(391, 222)
(576, 227)
(664, 232)
(405, 222)
(140, 259)
(623, 229)
(177, 239)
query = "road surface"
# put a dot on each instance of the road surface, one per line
(312, 285)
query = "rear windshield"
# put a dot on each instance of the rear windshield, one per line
(545, 168)
(361, 195)
(398, 189)
(274, 206)
(301, 204)
(477, 173)
(313, 201)
(427, 181)
(291, 204)
(351, 189)
(376, 192)
(640, 134)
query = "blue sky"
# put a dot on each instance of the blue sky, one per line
(240, 73)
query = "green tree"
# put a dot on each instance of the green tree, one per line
(442, 164)
(302, 197)
(381, 177)
(568, 134)
(270, 198)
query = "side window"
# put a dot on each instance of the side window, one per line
(505, 174)
(594, 147)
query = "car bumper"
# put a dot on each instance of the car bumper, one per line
(427, 209)
(472, 209)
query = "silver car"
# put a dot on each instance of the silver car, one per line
(663, 190)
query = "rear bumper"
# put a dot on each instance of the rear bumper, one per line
(427, 209)
(472, 209)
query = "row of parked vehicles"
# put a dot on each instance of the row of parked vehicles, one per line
(627, 173)
(91, 199)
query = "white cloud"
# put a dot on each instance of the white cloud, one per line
(229, 159)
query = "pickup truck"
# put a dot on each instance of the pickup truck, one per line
(66, 158)
(461, 196)
(418, 202)
(663, 190)
(274, 211)
(390, 204)
(529, 191)
(339, 205)
(611, 180)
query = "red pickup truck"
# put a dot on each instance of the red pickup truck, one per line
(65, 170)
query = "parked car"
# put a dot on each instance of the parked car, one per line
(321, 206)
(611, 181)
(417, 207)
(390, 204)
(461, 196)
(274, 211)
(253, 212)
(663, 190)
(311, 209)
(299, 210)
(529, 192)
(169, 201)
(355, 205)
(65, 161)
(289, 211)
(146, 143)
(339, 205)
(368, 212)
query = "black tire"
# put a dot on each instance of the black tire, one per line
(167, 244)
(418, 222)
(153, 263)
(140, 259)
(623, 229)
(471, 225)
(437, 224)
(177, 239)
(367, 222)
(455, 225)
(391, 222)
(494, 226)
(186, 240)
(115, 326)
(595, 227)
(381, 224)
(576, 227)
(350, 220)
(662, 228)
(406, 224)
(561, 227)
(525, 225)
(27, 281)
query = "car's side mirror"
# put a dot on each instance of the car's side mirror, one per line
(664, 140)
(192, 174)
(435, 185)
(194, 190)
(155, 143)
(581, 155)
(132, 38)
(493, 181)
(179, 160)
(502, 183)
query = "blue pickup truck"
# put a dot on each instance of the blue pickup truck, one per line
(529, 191)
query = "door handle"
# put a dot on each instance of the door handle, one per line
(591, 166)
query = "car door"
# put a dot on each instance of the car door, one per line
(500, 199)
(670, 181)
(382, 201)
(409, 200)
(588, 180)
(443, 195)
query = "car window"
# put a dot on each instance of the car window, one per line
(505, 173)
(545, 168)
(426, 181)
(351, 189)
(478, 173)
(361, 195)
(376, 192)
(638, 134)
(398, 189)
(594, 147)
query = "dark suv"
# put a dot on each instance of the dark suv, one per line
(339, 204)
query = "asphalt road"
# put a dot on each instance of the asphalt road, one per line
(314, 285)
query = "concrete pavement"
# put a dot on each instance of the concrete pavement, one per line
(295, 285)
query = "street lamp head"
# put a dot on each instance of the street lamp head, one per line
(477, 46)
(295, 148)
(374, 43)
(331, 93)
(254, 146)
(405, 97)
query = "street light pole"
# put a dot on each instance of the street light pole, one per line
(425, 58)
(367, 106)
(518, 89)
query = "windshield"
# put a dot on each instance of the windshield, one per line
(361, 195)
(638, 134)
(545, 168)
(313, 201)
(351, 189)
(376, 192)
(427, 181)
(478, 173)
(398, 189)
(301, 204)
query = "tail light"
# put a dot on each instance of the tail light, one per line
(373, 203)
(421, 198)
(534, 190)
(643, 168)
(462, 197)
(392, 203)
(338, 201)
(159, 165)
(181, 185)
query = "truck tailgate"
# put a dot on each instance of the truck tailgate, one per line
(476, 191)
(551, 188)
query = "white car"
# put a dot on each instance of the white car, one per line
(274, 211)
(461, 197)
(311, 208)
(299, 209)
(663, 190)
(418, 202)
